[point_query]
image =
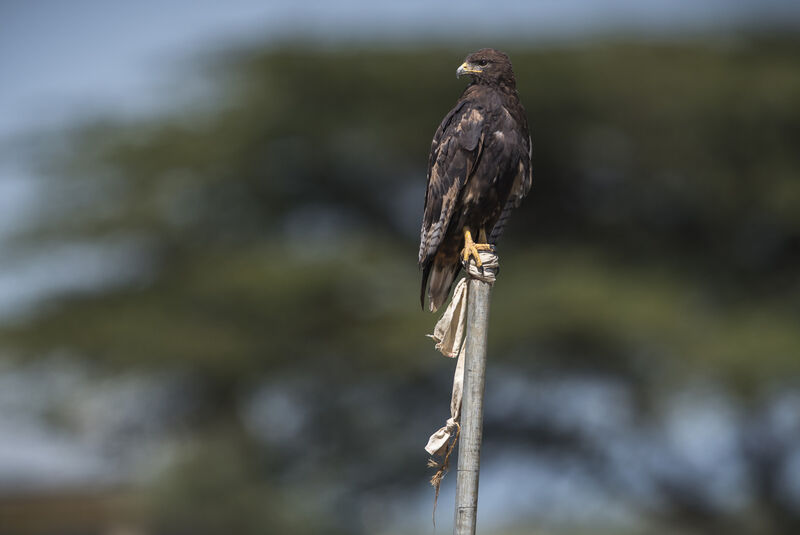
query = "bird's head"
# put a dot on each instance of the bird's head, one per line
(488, 66)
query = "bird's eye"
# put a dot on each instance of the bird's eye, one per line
(482, 62)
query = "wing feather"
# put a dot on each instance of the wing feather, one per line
(455, 149)
(522, 184)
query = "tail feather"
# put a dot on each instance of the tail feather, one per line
(442, 275)
(426, 271)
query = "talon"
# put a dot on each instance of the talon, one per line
(472, 249)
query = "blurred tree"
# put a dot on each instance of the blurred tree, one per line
(666, 173)
(275, 233)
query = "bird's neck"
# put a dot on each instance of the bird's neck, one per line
(507, 88)
(502, 87)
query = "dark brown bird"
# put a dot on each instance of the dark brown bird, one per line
(479, 170)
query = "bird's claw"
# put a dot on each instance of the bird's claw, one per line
(472, 249)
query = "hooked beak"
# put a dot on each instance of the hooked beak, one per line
(467, 68)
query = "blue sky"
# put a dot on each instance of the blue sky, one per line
(59, 58)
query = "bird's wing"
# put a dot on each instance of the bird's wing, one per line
(522, 184)
(455, 151)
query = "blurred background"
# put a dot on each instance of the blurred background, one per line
(209, 215)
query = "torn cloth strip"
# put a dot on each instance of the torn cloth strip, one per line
(449, 335)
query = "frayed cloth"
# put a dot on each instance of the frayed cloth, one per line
(449, 335)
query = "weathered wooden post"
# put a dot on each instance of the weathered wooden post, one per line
(469, 448)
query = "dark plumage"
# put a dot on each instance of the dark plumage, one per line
(479, 169)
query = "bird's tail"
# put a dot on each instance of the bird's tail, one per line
(441, 274)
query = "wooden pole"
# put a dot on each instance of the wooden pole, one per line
(469, 447)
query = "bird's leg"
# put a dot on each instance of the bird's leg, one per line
(472, 249)
(483, 242)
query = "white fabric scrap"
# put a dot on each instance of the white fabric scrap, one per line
(450, 329)
(437, 444)
(449, 335)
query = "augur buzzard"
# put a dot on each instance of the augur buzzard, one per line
(479, 170)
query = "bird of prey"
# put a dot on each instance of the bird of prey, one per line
(479, 170)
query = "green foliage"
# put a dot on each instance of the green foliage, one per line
(276, 230)
(215, 488)
(280, 221)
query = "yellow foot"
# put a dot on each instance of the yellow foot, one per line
(472, 249)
